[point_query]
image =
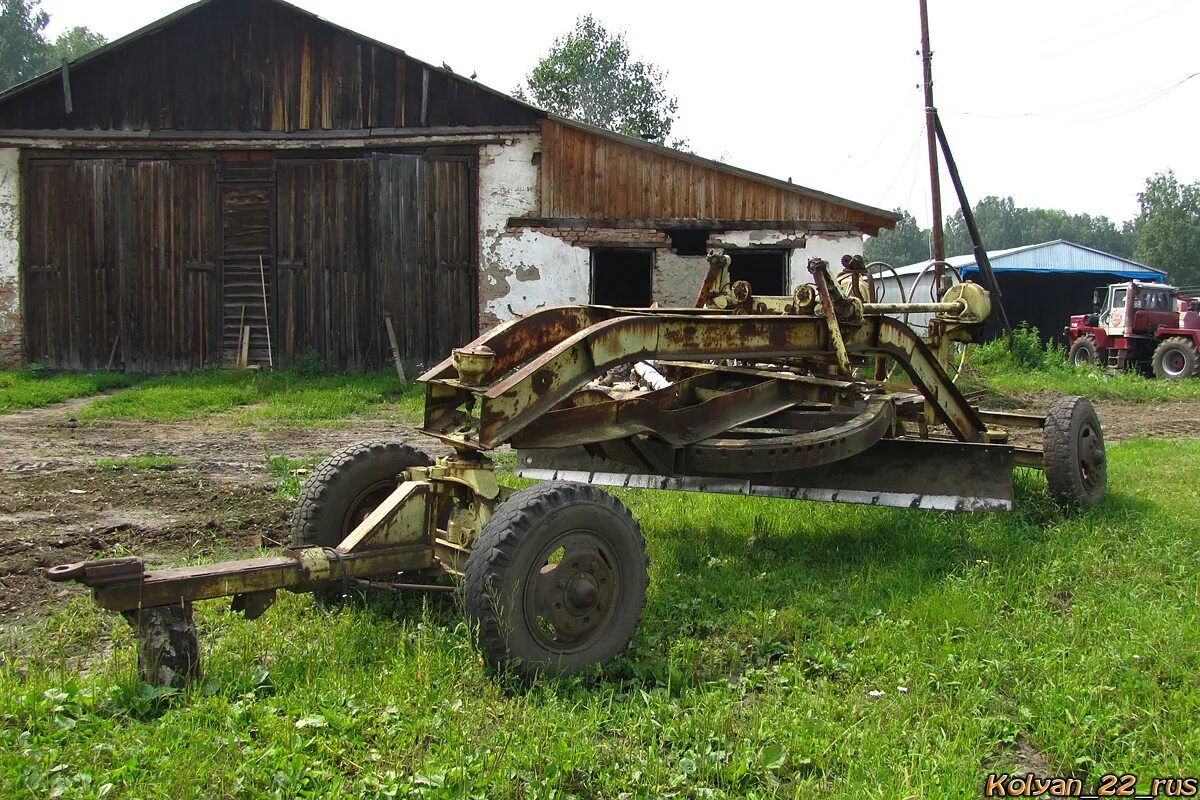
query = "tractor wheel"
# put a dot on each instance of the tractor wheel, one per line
(1084, 351)
(1073, 454)
(1176, 358)
(556, 581)
(344, 489)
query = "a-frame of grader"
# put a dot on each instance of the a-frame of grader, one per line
(768, 396)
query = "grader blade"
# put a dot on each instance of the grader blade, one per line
(897, 473)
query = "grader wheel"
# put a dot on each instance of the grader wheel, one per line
(345, 488)
(1073, 454)
(557, 580)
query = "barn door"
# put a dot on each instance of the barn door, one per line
(70, 258)
(324, 294)
(423, 251)
(169, 265)
(119, 263)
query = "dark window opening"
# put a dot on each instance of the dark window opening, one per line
(765, 270)
(622, 277)
(689, 241)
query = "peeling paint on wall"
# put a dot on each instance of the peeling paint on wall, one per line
(10, 257)
(761, 238)
(523, 269)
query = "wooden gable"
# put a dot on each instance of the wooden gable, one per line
(252, 65)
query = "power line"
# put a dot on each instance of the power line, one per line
(903, 165)
(1098, 115)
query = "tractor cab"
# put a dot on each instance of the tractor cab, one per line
(1133, 308)
(1112, 307)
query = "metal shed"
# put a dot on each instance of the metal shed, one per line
(1043, 284)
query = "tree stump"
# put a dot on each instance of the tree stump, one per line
(168, 648)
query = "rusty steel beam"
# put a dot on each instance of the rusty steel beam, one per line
(309, 568)
(519, 396)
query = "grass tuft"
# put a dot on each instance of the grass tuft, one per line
(140, 462)
(34, 387)
(288, 399)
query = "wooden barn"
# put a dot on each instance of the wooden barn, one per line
(243, 164)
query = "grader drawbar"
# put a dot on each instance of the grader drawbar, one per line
(775, 396)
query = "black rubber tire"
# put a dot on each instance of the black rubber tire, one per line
(1073, 454)
(520, 533)
(1176, 358)
(1084, 351)
(327, 510)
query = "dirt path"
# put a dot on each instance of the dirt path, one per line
(57, 505)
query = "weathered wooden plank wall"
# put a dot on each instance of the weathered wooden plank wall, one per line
(256, 65)
(164, 253)
(146, 273)
(591, 176)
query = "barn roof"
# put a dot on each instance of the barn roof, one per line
(1057, 256)
(156, 80)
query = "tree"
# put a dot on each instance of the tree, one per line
(908, 243)
(24, 50)
(588, 75)
(22, 45)
(72, 44)
(1168, 228)
(1003, 224)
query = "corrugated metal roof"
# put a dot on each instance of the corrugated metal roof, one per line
(1057, 256)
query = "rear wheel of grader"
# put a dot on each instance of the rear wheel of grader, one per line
(1073, 453)
(344, 489)
(557, 580)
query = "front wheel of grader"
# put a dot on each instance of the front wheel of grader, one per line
(344, 489)
(1073, 454)
(556, 581)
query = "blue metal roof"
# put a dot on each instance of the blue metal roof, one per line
(1047, 257)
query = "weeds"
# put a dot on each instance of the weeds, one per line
(140, 462)
(1030, 366)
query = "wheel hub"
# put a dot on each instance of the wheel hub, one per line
(1092, 460)
(571, 592)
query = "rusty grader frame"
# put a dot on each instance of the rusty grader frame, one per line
(741, 394)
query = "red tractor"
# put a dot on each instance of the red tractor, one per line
(1147, 326)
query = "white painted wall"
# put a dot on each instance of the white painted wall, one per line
(10, 255)
(521, 270)
(830, 247)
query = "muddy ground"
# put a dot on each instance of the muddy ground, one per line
(57, 505)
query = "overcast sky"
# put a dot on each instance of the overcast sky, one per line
(1066, 104)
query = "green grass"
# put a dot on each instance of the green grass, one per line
(140, 462)
(291, 474)
(1076, 638)
(35, 388)
(282, 398)
(1030, 367)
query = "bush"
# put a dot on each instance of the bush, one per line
(1026, 351)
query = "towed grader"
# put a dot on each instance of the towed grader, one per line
(776, 396)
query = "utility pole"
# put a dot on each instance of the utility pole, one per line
(935, 189)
